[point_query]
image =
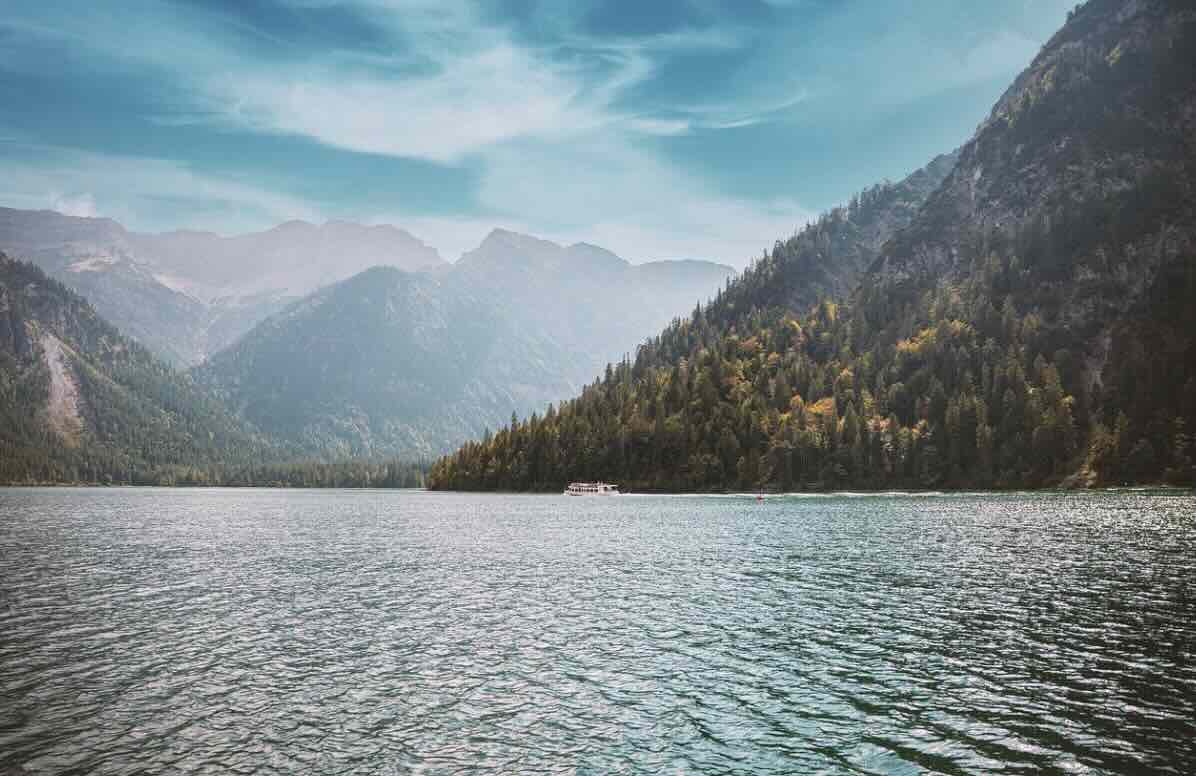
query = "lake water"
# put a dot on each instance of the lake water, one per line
(265, 631)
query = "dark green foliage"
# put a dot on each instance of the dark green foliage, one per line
(346, 474)
(55, 466)
(946, 393)
(135, 415)
(1032, 325)
(1147, 397)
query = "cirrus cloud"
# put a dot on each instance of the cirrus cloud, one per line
(708, 133)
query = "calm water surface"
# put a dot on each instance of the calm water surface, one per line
(162, 631)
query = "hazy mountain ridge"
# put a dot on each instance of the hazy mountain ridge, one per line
(82, 402)
(393, 363)
(1030, 323)
(597, 304)
(553, 315)
(188, 294)
(374, 365)
(291, 259)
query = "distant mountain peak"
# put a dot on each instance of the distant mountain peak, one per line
(506, 248)
(595, 256)
(500, 232)
(294, 223)
(508, 237)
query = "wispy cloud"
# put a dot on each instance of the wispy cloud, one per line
(615, 137)
(81, 205)
(478, 88)
(468, 105)
(143, 193)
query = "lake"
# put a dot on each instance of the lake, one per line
(389, 632)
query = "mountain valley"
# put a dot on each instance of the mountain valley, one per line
(1015, 314)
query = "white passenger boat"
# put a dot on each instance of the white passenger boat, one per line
(591, 489)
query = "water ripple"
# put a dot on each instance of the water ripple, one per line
(271, 632)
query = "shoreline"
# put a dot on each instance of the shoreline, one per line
(844, 493)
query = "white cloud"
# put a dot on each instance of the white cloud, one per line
(476, 89)
(464, 84)
(80, 205)
(661, 214)
(559, 153)
(747, 110)
(471, 103)
(662, 127)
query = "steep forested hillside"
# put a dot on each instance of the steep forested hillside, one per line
(80, 402)
(1031, 324)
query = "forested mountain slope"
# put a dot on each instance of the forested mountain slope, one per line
(828, 259)
(1032, 324)
(80, 402)
(384, 363)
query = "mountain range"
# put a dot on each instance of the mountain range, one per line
(1028, 322)
(285, 332)
(408, 364)
(1016, 314)
(187, 294)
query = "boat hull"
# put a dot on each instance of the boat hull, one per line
(591, 489)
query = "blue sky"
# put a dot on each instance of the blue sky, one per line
(656, 128)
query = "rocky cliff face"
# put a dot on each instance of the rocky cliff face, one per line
(1083, 171)
(1056, 149)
